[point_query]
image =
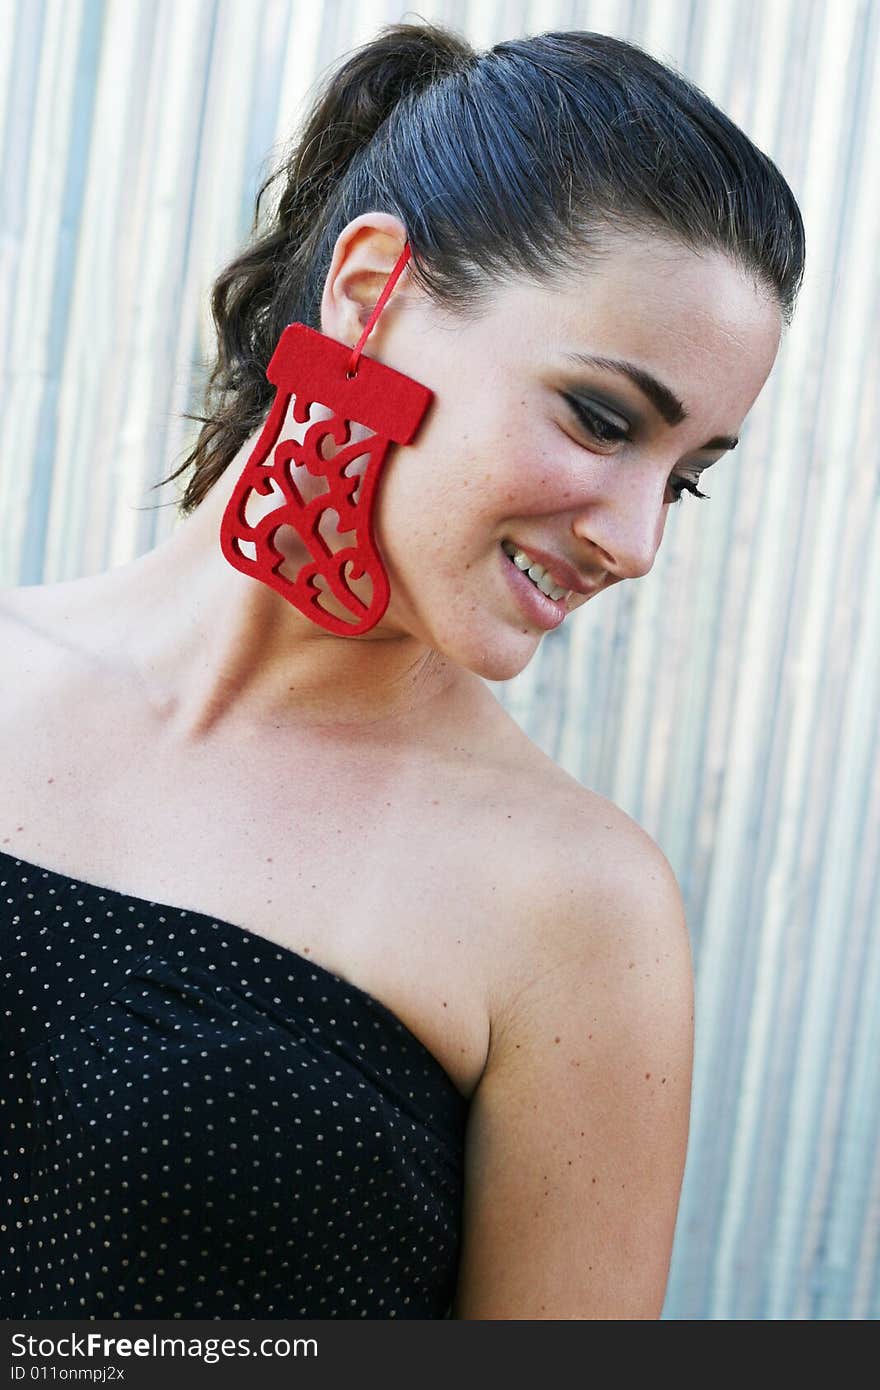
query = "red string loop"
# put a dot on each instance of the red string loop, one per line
(402, 259)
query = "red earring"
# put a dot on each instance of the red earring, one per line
(312, 368)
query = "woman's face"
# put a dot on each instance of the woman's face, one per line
(537, 444)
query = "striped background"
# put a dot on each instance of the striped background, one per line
(728, 701)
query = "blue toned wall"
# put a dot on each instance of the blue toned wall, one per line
(728, 701)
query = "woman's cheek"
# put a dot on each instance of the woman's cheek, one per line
(544, 480)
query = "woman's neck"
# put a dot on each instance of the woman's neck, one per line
(214, 648)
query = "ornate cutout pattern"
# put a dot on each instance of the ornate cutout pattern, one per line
(309, 368)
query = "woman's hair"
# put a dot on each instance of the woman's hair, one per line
(517, 161)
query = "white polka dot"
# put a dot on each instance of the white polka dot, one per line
(202, 1140)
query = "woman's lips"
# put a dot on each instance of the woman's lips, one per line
(563, 573)
(543, 612)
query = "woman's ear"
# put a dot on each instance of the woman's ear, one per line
(364, 256)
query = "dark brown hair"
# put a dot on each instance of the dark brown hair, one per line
(513, 161)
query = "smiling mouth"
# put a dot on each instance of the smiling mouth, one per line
(540, 577)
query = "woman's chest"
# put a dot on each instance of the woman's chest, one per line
(204, 1088)
(393, 875)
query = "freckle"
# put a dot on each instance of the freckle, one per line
(589, 1035)
(556, 1040)
(593, 1179)
(632, 965)
(51, 780)
(269, 860)
(306, 950)
(19, 827)
(663, 1081)
(647, 1076)
(444, 1003)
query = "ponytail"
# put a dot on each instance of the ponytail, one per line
(272, 283)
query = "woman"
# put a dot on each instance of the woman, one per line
(332, 995)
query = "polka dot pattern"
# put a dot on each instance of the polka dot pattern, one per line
(197, 1123)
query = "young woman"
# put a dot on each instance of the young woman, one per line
(330, 995)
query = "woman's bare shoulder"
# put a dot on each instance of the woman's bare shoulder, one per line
(579, 1122)
(56, 680)
(46, 611)
(575, 862)
(48, 634)
(30, 633)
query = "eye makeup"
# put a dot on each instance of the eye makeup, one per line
(606, 431)
(663, 400)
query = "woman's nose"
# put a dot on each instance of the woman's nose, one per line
(624, 528)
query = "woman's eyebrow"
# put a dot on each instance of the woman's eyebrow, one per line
(664, 401)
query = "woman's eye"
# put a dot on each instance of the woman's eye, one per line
(595, 424)
(605, 432)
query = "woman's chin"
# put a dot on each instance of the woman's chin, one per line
(502, 661)
(494, 651)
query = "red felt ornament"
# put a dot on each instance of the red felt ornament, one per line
(311, 368)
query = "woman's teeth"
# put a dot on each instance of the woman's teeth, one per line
(538, 575)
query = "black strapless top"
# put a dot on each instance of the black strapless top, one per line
(198, 1123)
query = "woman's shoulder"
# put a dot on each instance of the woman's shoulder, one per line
(575, 844)
(582, 879)
(47, 656)
(580, 1117)
(44, 621)
(30, 633)
(59, 691)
